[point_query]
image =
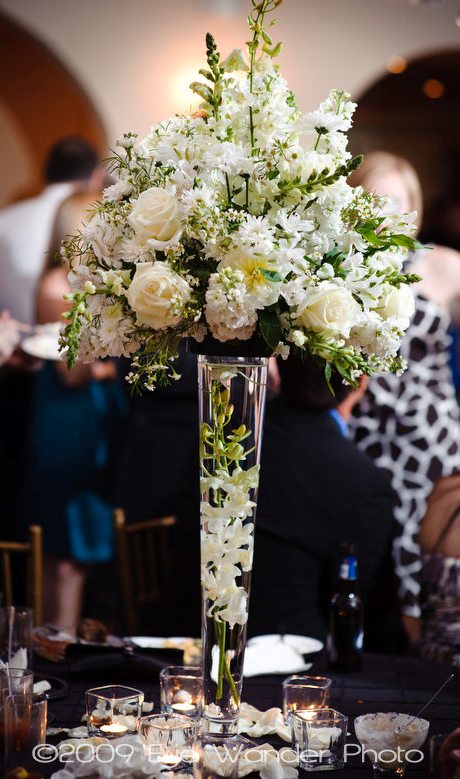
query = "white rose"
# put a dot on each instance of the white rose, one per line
(157, 295)
(156, 217)
(398, 303)
(329, 307)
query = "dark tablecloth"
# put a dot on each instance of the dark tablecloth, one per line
(385, 683)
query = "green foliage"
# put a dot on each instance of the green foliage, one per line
(270, 327)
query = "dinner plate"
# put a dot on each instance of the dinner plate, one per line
(156, 642)
(44, 343)
(302, 644)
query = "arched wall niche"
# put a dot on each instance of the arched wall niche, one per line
(44, 102)
(396, 115)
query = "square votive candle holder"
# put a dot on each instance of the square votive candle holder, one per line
(181, 690)
(305, 692)
(168, 739)
(319, 738)
(113, 711)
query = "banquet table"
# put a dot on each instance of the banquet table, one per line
(385, 683)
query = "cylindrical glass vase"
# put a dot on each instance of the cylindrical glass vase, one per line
(232, 402)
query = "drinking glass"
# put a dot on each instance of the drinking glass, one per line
(305, 692)
(113, 711)
(25, 728)
(391, 741)
(16, 625)
(319, 735)
(168, 738)
(182, 690)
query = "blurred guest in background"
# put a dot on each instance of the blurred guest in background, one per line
(409, 424)
(440, 598)
(25, 233)
(74, 417)
(25, 227)
(10, 336)
(302, 519)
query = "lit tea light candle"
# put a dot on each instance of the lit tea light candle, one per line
(308, 714)
(183, 702)
(183, 707)
(114, 729)
(169, 759)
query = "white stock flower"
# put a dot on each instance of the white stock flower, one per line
(157, 295)
(155, 217)
(228, 310)
(114, 332)
(328, 307)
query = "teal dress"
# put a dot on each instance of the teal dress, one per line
(71, 437)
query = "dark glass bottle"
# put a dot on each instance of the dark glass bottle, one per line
(345, 639)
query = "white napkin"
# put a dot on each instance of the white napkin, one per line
(41, 687)
(257, 723)
(277, 658)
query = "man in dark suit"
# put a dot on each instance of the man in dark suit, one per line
(317, 490)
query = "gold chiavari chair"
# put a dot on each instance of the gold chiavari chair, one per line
(33, 552)
(143, 560)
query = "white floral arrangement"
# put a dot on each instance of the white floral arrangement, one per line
(238, 222)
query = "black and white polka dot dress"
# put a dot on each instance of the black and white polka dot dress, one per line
(410, 426)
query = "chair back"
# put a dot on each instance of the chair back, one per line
(32, 551)
(143, 560)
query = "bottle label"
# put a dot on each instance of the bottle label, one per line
(348, 569)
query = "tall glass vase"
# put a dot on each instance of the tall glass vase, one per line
(232, 402)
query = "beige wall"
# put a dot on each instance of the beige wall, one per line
(135, 57)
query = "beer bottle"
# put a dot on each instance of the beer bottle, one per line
(345, 639)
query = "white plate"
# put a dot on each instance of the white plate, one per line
(302, 644)
(44, 343)
(155, 642)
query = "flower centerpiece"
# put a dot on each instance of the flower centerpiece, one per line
(236, 227)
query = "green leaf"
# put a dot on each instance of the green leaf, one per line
(405, 241)
(273, 174)
(270, 328)
(270, 275)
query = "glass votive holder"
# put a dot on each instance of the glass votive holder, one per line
(113, 711)
(319, 737)
(16, 623)
(14, 681)
(305, 692)
(25, 727)
(216, 757)
(181, 689)
(168, 738)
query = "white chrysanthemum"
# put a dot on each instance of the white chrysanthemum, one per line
(117, 191)
(103, 238)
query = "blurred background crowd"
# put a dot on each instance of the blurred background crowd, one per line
(74, 445)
